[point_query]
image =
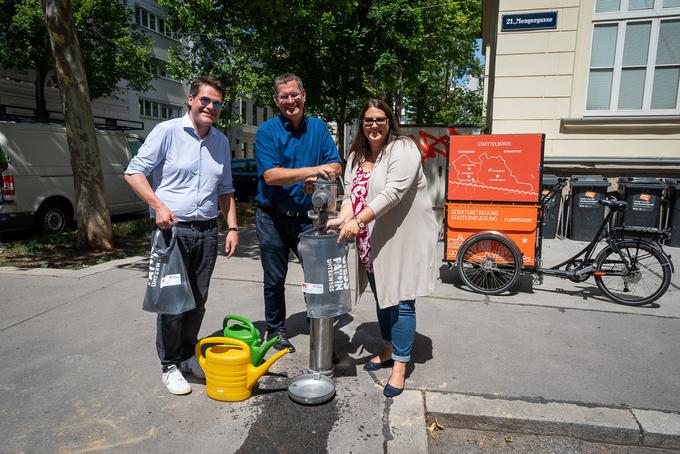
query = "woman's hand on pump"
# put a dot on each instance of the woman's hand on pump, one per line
(349, 229)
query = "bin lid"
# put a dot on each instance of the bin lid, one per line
(549, 179)
(673, 182)
(642, 182)
(589, 180)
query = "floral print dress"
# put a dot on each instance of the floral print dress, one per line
(358, 198)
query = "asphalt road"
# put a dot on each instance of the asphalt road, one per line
(80, 371)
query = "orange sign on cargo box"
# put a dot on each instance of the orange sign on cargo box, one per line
(495, 168)
(518, 222)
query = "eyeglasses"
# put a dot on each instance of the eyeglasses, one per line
(205, 102)
(380, 121)
(290, 95)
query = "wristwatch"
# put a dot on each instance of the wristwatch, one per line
(232, 229)
(360, 223)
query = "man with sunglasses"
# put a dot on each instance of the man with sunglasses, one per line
(292, 150)
(191, 165)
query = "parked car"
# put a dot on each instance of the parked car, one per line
(244, 175)
(38, 188)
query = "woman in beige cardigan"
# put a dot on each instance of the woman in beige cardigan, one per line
(390, 214)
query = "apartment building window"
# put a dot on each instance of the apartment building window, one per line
(149, 20)
(159, 68)
(254, 115)
(154, 109)
(244, 107)
(635, 58)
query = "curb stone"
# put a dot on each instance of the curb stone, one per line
(407, 424)
(660, 429)
(77, 274)
(599, 424)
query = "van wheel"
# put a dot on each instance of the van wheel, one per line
(53, 217)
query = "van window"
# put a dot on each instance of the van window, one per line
(134, 144)
(238, 166)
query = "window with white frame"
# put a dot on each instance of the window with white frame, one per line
(149, 20)
(154, 109)
(158, 68)
(635, 58)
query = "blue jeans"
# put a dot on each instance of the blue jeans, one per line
(277, 235)
(176, 335)
(397, 324)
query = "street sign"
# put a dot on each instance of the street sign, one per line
(529, 21)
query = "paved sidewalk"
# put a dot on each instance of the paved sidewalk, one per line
(80, 372)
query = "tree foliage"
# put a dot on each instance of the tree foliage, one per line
(413, 53)
(113, 47)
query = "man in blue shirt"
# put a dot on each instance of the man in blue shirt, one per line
(191, 166)
(292, 150)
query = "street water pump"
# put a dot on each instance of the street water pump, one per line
(327, 295)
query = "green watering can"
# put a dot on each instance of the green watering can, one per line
(246, 332)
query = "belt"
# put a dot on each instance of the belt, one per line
(278, 212)
(198, 225)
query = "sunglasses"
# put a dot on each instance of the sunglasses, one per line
(205, 102)
(380, 121)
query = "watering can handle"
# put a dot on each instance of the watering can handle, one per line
(220, 341)
(243, 320)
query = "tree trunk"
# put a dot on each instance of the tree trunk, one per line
(40, 105)
(342, 120)
(399, 98)
(421, 96)
(92, 212)
(341, 138)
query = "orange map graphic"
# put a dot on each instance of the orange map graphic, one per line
(498, 168)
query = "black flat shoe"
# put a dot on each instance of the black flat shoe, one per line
(283, 343)
(391, 391)
(371, 366)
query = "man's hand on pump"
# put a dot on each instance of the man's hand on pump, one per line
(324, 171)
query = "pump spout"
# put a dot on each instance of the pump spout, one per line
(254, 373)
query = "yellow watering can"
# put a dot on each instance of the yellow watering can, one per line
(229, 374)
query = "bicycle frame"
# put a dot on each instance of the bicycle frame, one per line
(585, 269)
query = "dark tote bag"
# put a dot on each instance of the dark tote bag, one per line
(168, 290)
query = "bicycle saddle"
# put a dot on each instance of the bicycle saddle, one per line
(616, 205)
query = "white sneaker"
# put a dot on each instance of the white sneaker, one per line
(175, 381)
(191, 365)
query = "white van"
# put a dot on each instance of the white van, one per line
(38, 187)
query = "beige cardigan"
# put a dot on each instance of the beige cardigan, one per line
(404, 234)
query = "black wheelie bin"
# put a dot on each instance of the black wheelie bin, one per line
(674, 211)
(642, 217)
(586, 214)
(551, 208)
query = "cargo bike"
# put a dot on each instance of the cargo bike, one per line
(494, 217)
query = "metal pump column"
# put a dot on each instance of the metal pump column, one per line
(317, 387)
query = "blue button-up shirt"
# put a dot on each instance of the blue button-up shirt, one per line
(188, 172)
(279, 145)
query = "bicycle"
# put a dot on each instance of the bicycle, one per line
(632, 272)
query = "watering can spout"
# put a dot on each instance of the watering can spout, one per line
(254, 373)
(259, 352)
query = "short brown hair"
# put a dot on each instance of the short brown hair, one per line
(206, 80)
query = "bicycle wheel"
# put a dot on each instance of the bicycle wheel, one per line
(489, 264)
(640, 274)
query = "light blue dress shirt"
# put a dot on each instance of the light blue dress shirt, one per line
(188, 172)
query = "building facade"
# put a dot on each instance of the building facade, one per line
(600, 78)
